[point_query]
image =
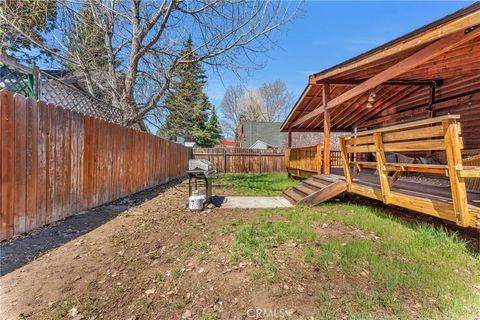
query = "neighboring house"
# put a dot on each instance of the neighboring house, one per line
(227, 144)
(259, 144)
(267, 135)
(249, 132)
(52, 86)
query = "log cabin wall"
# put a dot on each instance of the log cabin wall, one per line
(461, 97)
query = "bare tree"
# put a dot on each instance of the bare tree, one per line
(275, 100)
(140, 42)
(232, 108)
(268, 103)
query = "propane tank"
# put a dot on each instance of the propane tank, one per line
(196, 201)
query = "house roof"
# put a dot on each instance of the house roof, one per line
(228, 143)
(259, 144)
(446, 54)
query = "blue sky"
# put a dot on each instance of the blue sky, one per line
(330, 32)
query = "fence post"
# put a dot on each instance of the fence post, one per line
(36, 82)
(224, 160)
(260, 160)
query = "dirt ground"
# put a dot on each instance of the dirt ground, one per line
(129, 268)
(158, 260)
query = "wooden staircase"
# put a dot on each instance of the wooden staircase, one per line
(316, 189)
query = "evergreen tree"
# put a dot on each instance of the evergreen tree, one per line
(187, 103)
(213, 128)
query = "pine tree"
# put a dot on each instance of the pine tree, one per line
(187, 103)
(214, 129)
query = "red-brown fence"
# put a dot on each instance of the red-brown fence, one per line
(241, 160)
(55, 162)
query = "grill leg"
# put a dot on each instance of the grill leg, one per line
(189, 186)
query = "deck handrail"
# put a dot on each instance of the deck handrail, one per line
(406, 125)
(434, 134)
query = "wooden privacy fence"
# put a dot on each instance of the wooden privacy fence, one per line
(55, 162)
(239, 160)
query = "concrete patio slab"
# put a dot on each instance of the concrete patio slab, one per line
(253, 202)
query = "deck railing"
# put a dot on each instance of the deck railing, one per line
(304, 161)
(436, 134)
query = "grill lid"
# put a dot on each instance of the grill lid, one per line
(200, 165)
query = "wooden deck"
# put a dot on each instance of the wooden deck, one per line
(367, 183)
(435, 134)
(381, 179)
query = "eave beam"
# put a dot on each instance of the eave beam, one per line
(429, 52)
(437, 82)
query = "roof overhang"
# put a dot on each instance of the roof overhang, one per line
(446, 55)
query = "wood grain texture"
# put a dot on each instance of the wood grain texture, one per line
(440, 133)
(20, 164)
(7, 164)
(56, 162)
(239, 160)
(452, 55)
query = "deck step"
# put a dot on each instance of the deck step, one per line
(327, 179)
(315, 190)
(318, 180)
(312, 183)
(302, 187)
(293, 195)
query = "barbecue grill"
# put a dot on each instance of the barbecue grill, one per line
(200, 173)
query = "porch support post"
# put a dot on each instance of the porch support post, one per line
(287, 152)
(326, 130)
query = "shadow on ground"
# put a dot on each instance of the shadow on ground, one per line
(20, 251)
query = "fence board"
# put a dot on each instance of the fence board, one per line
(42, 163)
(50, 211)
(58, 160)
(7, 164)
(20, 163)
(32, 164)
(55, 162)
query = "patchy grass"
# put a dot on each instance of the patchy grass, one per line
(255, 242)
(61, 311)
(254, 184)
(403, 264)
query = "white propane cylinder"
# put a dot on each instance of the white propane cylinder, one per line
(196, 201)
